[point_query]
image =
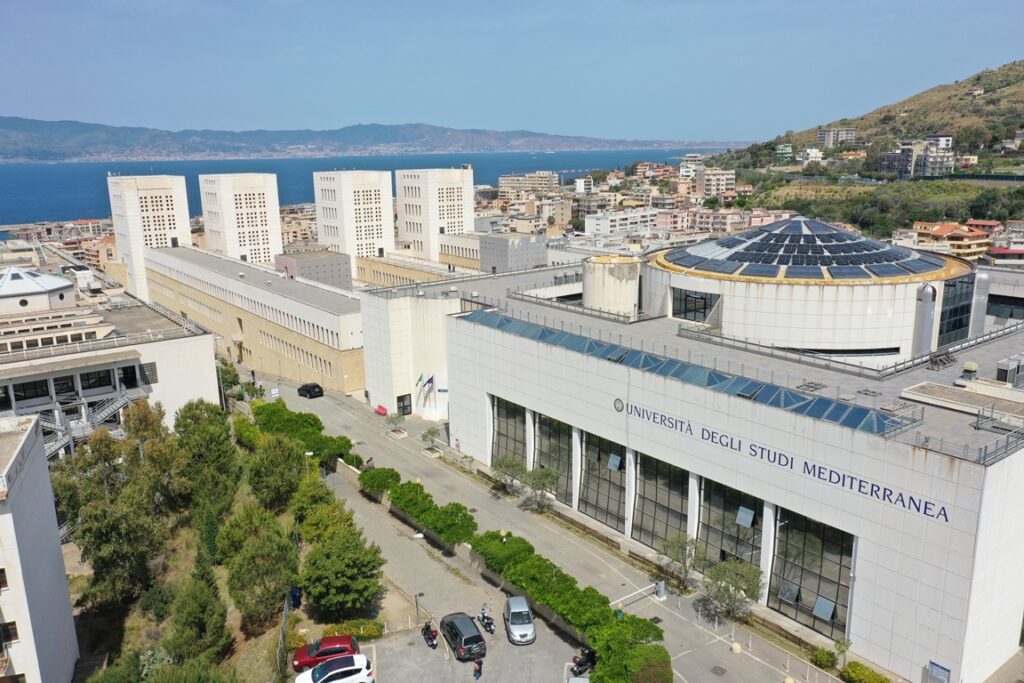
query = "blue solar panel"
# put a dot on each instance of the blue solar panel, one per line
(761, 270)
(931, 258)
(918, 266)
(885, 269)
(847, 272)
(729, 242)
(804, 272)
(719, 266)
(794, 228)
(684, 259)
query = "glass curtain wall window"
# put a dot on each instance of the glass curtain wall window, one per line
(554, 450)
(955, 320)
(509, 429)
(691, 305)
(810, 581)
(661, 499)
(602, 486)
(730, 524)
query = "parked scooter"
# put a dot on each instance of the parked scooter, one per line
(583, 662)
(429, 635)
(485, 620)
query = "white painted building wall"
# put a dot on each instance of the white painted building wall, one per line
(406, 346)
(430, 203)
(36, 598)
(148, 212)
(355, 212)
(241, 215)
(912, 573)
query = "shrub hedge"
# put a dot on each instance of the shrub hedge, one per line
(498, 551)
(856, 672)
(360, 629)
(411, 498)
(380, 480)
(452, 522)
(824, 658)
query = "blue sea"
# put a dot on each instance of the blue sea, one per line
(66, 191)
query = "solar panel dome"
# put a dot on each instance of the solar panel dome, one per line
(805, 249)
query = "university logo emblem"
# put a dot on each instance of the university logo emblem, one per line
(619, 405)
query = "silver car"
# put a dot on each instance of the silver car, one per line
(519, 622)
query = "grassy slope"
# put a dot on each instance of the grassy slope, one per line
(944, 108)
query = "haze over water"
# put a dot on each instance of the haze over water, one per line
(66, 191)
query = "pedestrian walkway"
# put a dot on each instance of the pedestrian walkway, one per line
(700, 649)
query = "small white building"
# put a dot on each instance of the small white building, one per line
(241, 215)
(584, 185)
(38, 630)
(806, 156)
(628, 220)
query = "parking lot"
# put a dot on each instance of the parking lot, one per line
(405, 657)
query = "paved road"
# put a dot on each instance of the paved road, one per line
(700, 649)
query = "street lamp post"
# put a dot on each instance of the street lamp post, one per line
(417, 536)
(308, 454)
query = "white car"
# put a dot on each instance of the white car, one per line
(350, 668)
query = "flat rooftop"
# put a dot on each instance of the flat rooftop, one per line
(320, 296)
(941, 429)
(12, 433)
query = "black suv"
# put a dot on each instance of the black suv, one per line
(463, 636)
(311, 390)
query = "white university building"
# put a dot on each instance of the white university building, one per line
(837, 411)
(241, 216)
(433, 202)
(354, 212)
(148, 212)
(38, 630)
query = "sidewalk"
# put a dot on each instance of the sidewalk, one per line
(700, 649)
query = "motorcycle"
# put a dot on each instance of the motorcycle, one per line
(485, 620)
(429, 635)
(583, 662)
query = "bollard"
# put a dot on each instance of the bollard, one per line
(735, 648)
(788, 679)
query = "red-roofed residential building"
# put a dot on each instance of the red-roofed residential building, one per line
(991, 227)
(952, 238)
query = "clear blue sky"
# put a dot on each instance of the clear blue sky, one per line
(671, 69)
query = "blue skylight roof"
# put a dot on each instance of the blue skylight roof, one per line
(818, 407)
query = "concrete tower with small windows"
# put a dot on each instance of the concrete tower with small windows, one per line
(241, 216)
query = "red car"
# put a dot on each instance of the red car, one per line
(308, 656)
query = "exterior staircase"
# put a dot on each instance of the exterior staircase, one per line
(58, 432)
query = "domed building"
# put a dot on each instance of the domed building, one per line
(806, 286)
(25, 291)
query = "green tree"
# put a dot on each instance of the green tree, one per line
(577, 224)
(551, 220)
(203, 431)
(843, 646)
(275, 470)
(684, 554)
(394, 421)
(342, 575)
(311, 493)
(247, 434)
(733, 584)
(711, 203)
(198, 624)
(248, 522)
(259, 578)
(509, 469)
(542, 482)
(119, 543)
(429, 436)
(324, 521)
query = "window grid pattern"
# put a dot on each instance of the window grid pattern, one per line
(811, 560)
(955, 320)
(602, 490)
(553, 447)
(661, 501)
(718, 531)
(509, 429)
(691, 305)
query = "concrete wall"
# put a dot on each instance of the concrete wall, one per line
(912, 570)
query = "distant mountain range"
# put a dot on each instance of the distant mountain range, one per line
(34, 140)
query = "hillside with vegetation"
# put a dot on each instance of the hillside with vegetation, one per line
(973, 119)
